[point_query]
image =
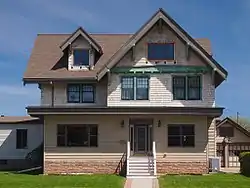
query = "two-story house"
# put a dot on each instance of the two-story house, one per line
(146, 98)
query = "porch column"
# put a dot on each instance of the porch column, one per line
(226, 154)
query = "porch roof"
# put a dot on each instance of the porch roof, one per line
(88, 110)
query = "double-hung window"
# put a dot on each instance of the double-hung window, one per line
(187, 87)
(81, 57)
(135, 88)
(181, 135)
(160, 51)
(77, 135)
(81, 93)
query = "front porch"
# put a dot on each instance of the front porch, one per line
(139, 136)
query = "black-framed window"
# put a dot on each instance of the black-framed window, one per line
(181, 135)
(21, 138)
(187, 87)
(135, 88)
(81, 57)
(160, 51)
(81, 93)
(77, 135)
(226, 131)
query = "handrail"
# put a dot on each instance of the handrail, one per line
(128, 155)
(154, 157)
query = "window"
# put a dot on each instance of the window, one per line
(135, 88)
(161, 51)
(181, 135)
(81, 57)
(81, 93)
(21, 138)
(77, 135)
(226, 131)
(186, 87)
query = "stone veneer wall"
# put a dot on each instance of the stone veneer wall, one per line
(110, 167)
(80, 167)
(164, 167)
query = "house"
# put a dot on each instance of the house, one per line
(231, 140)
(19, 135)
(142, 101)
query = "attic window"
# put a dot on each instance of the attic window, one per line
(81, 57)
(160, 51)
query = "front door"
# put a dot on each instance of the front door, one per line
(141, 139)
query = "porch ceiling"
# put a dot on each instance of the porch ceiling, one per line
(42, 110)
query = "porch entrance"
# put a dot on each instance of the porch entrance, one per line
(141, 138)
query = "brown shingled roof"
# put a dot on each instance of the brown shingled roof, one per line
(18, 119)
(47, 59)
(48, 62)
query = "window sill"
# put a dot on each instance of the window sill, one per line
(77, 146)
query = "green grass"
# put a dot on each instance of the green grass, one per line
(43, 181)
(207, 181)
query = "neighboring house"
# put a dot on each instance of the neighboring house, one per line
(105, 97)
(231, 140)
(18, 136)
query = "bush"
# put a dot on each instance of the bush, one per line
(244, 159)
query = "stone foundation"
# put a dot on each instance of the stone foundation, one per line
(164, 167)
(81, 167)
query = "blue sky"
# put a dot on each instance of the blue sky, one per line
(225, 23)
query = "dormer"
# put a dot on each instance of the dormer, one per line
(82, 50)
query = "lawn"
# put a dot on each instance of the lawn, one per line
(206, 181)
(83, 181)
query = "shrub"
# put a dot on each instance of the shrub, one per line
(244, 159)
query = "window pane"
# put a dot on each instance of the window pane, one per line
(81, 57)
(93, 141)
(188, 141)
(161, 51)
(60, 140)
(194, 88)
(60, 129)
(127, 87)
(187, 130)
(73, 93)
(93, 130)
(142, 88)
(179, 84)
(173, 130)
(88, 93)
(226, 131)
(21, 138)
(77, 135)
(174, 141)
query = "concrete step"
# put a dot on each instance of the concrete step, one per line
(141, 167)
(141, 174)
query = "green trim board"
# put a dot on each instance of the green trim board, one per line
(161, 69)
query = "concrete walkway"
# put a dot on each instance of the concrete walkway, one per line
(141, 183)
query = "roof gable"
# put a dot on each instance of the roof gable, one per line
(80, 32)
(177, 29)
(234, 124)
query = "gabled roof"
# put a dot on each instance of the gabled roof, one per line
(48, 61)
(161, 14)
(234, 124)
(81, 32)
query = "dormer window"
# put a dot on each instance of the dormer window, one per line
(81, 57)
(160, 51)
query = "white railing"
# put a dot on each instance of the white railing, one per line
(128, 155)
(154, 157)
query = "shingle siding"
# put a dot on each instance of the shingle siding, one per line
(160, 86)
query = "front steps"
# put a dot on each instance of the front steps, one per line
(142, 166)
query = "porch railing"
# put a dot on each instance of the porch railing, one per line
(128, 155)
(154, 157)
